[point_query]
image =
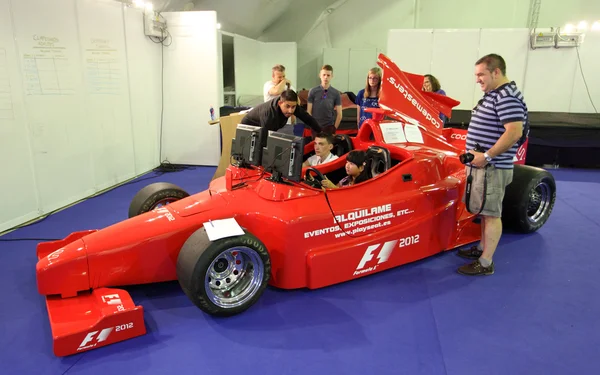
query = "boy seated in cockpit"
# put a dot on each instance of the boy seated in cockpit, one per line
(323, 147)
(355, 169)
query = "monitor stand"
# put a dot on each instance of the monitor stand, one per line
(277, 178)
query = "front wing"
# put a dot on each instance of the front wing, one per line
(92, 319)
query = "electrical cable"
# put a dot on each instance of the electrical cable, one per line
(584, 80)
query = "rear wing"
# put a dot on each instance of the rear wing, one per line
(402, 95)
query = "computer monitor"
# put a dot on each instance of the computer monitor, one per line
(247, 146)
(283, 156)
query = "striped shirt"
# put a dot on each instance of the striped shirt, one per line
(497, 108)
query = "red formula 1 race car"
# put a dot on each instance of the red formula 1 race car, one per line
(268, 221)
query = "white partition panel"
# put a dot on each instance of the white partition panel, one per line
(454, 53)
(49, 54)
(79, 102)
(279, 53)
(17, 187)
(249, 68)
(106, 91)
(589, 53)
(361, 60)
(549, 79)
(513, 46)
(411, 49)
(191, 87)
(339, 59)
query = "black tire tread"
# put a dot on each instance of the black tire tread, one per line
(525, 178)
(145, 199)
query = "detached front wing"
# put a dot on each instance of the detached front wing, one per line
(92, 320)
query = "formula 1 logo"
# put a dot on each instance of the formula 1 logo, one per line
(98, 336)
(384, 254)
(112, 300)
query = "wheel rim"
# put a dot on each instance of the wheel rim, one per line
(234, 277)
(164, 202)
(540, 199)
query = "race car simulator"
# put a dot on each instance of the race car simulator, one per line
(269, 221)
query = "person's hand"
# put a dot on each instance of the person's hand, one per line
(479, 160)
(326, 183)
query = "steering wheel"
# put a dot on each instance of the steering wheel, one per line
(315, 181)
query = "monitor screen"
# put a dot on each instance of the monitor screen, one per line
(247, 146)
(283, 156)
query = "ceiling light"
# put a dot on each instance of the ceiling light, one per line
(596, 26)
(582, 25)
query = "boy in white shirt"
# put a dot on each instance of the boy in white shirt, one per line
(323, 147)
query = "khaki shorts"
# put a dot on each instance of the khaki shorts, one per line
(497, 180)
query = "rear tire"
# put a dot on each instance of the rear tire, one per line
(223, 277)
(529, 199)
(155, 195)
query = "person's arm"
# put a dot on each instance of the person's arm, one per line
(511, 113)
(307, 119)
(309, 101)
(358, 102)
(279, 88)
(513, 132)
(338, 108)
(338, 118)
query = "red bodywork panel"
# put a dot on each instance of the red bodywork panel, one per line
(410, 212)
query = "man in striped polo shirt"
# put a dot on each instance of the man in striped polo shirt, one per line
(496, 126)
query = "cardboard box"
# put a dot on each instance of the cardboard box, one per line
(228, 126)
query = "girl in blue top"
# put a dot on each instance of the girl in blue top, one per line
(369, 96)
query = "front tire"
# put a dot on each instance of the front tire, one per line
(529, 199)
(155, 195)
(223, 277)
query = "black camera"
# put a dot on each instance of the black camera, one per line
(467, 157)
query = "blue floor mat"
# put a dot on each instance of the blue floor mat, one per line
(538, 314)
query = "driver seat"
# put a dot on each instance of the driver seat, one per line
(342, 144)
(378, 160)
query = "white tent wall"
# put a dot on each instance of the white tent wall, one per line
(79, 102)
(356, 24)
(253, 61)
(550, 78)
(20, 200)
